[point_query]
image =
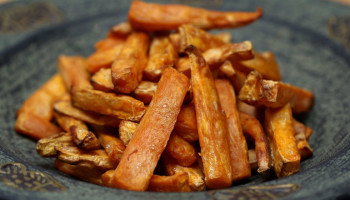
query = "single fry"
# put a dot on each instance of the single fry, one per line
(174, 183)
(302, 100)
(127, 68)
(236, 140)
(102, 80)
(253, 161)
(122, 30)
(127, 130)
(120, 106)
(144, 150)
(212, 129)
(252, 126)
(145, 91)
(280, 130)
(47, 147)
(249, 109)
(155, 17)
(301, 132)
(252, 90)
(106, 43)
(186, 124)
(103, 58)
(181, 150)
(161, 55)
(224, 36)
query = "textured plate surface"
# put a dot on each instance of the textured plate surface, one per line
(295, 31)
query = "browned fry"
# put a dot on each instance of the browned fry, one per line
(102, 80)
(237, 143)
(80, 171)
(227, 71)
(127, 130)
(106, 43)
(280, 130)
(183, 65)
(145, 91)
(301, 132)
(113, 146)
(186, 124)
(174, 183)
(238, 82)
(199, 38)
(94, 158)
(252, 90)
(65, 107)
(161, 55)
(224, 36)
(120, 106)
(253, 160)
(73, 70)
(122, 30)
(55, 87)
(252, 126)
(249, 109)
(127, 68)
(212, 129)
(302, 100)
(35, 127)
(46, 147)
(153, 17)
(266, 64)
(104, 58)
(181, 150)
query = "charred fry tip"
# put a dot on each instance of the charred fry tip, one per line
(260, 11)
(190, 49)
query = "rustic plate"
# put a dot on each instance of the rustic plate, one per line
(33, 34)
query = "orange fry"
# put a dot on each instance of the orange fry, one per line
(186, 124)
(181, 150)
(154, 17)
(212, 129)
(104, 58)
(302, 100)
(145, 91)
(122, 30)
(174, 183)
(127, 130)
(102, 80)
(301, 132)
(127, 68)
(107, 43)
(144, 150)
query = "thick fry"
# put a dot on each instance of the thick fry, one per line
(301, 132)
(252, 126)
(236, 140)
(65, 107)
(161, 55)
(144, 150)
(145, 91)
(73, 70)
(47, 147)
(106, 43)
(153, 17)
(302, 100)
(128, 67)
(122, 30)
(102, 80)
(249, 109)
(174, 183)
(280, 130)
(104, 58)
(212, 129)
(127, 130)
(186, 124)
(80, 171)
(181, 150)
(120, 106)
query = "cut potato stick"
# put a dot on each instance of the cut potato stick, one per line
(236, 140)
(106, 43)
(280, 130)
(80, 171)
(122, 30)
(113, 146)
(120, 106)
(161, 55)
(183, 65)
(127, 130)
(94, 158)
(253, 160)
(73, 70)
(104, 58)
(102, 80)
(145, 91)
(186, 124)
(181, 150)
(252, 126)
(35, 127)
(139, 161)
(127, 68)
(251, 91)
(174, 183)
(154, 17)
(224, 36)
(302, 100)
(65, 107)
(212, 129)
(249, 109)
(47, 147)
(227, 71)
(301, 132)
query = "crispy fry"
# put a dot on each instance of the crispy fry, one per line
(94, 158)
(145, 91)
(237, 143)
(122, 30)
(154, 17)
(55, 87)
(80, 171)
(128, 67)
(186, 124)
(120, 106)
(102, 80)
(212, 129)
(174, 183)
(249, 109)
(181, 150)
(226, 70)
(47, 147)
(73, 70)
(280, 131)
(224, 36)
(104, 58)
(183, 65)
(252, 126)
(301, 132)
(113, 146)
(138, 162)
(65, 107)
(253, 161)
(106, 43)
(252, 90)
(127, 130)
(302, 100)
(161, 55)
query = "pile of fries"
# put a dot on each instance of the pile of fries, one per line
(164, 105)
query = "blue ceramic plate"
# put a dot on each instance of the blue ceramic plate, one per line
(308, 38)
